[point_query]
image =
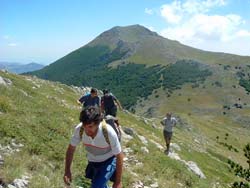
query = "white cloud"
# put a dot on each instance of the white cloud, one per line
(194, 6)
(192, 23)
(12, 44)
(204, 27)
(243, 33)
(172, 12)
(176, 11)
(148, 11)
(215, 27)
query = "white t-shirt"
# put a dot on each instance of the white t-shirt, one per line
(169, 124)
(98, 150)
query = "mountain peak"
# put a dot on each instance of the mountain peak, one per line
(131, 34)
(136, 30)
(136, 27)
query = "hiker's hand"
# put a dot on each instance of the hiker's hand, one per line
(67, 178)
(117, 185)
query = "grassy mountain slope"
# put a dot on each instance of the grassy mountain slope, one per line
(41, 115)
(132, 61)
(147, 47)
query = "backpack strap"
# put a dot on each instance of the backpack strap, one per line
(81, 132)
(105, 131)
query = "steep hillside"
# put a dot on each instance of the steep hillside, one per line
(37, 119)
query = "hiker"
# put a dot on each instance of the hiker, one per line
(109, 103)
(104, 154)
(168, 123)
(90, 99)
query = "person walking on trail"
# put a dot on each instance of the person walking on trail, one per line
(109, 103)
(104, 153)
(90, 99)
(168, 123)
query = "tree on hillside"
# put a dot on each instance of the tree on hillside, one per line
(241, 172)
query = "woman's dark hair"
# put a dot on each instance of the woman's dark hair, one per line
(91, 114)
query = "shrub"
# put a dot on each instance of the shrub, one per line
(239, 171)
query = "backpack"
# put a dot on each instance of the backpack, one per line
(113, 122)
(108, 102)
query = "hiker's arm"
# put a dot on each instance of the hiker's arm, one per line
(163, 122)
(118, 175)
(82, 99)
(69, 157)
(102, 105)
(78, 102)
(119, 104)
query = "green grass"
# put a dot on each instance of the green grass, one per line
(44, 124)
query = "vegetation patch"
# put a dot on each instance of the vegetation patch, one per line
(128, 81)
(240, 171)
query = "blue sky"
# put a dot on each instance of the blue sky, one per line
(43, 30)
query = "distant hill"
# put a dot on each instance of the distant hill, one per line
(19, 68)
(135, 62)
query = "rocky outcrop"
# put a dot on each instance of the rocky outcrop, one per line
(129, 131)
(192, 166)
(17, 183)
(144, 150)
(5, 81)
(143, 140)
(10, 149)
(6, 151)
(159, 146)
(20, 183)
(195, 169)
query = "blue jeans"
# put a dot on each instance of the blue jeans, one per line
(101, 172)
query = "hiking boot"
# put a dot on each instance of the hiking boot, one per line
(166, 151)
